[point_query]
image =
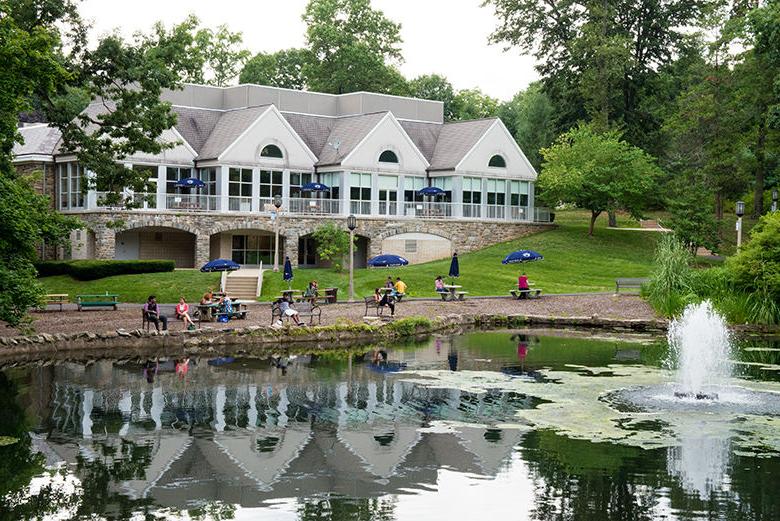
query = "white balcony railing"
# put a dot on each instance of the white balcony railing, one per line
(321, 207)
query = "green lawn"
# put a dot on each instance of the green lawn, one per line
(168, 286)
(573, 263)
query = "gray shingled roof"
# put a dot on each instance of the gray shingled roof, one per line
(195, 125)
(38, 140)
(423, 135)
(348, 131)
(314, 130)
(230, 126)
(456, 140)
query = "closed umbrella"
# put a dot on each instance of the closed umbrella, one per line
(387, 260)
(220, 265)
(288, 274)
(520, 256)
(454, 266)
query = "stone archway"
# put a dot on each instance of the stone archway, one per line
(418, 247)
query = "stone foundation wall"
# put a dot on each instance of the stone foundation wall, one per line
(465, 235)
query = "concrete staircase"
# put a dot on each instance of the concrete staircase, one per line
(244, 284)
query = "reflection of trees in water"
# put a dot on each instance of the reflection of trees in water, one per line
(579, 479)
(335, 508)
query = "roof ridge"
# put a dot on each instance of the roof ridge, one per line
(471, 120)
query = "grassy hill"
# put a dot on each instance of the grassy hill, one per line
(573, 263)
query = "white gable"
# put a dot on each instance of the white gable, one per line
(497, 140)
(180, 154)
(386, 135)
(270, 128)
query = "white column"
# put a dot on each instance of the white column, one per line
(400, 194)
(161, 186)
(457, 196)
(256, 190)
(223, 188)
(483, 210)
(286, 189)
(507, 199)
(374, 193)
(346, 178)
(90, 202)
(531, 202)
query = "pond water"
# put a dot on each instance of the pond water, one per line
(500, 424)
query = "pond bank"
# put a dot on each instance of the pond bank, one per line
(266, 339)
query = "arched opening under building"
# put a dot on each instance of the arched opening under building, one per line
(418, 247)
(156, 243)
(308, 257)
(247, 247)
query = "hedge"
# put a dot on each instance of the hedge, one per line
(98, 269)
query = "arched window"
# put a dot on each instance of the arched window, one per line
(271, 151)
(388, 156)
(497, 161)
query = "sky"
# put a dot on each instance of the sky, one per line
(448, 37)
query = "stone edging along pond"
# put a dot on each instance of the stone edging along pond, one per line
(249, 338)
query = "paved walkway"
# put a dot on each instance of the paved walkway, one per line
(129, 316)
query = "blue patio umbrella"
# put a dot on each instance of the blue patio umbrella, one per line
(387, 260)
(190, 182)
(454, 266)
(220, 265)
(288, 274)
(315, 187)
(519, 256)
(431, 191)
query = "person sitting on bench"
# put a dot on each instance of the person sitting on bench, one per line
(522, 285)
(400, 288)
(152, 312)
(439, 284)
(286, 309)
(384, 300)
(183, 313)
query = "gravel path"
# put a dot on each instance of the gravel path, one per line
(129, 316)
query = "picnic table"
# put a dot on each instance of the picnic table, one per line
(210, 312)
(56, 299)
(92, 301)
(453, 293)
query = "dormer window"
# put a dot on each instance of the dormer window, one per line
(271, 151)
(497, 161)
(388, 156)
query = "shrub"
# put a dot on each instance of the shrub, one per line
(98, 269)
(669, 289)
(332, 244)
(756, 267)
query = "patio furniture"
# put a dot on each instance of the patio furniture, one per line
(453, 293)
(92, 301)
(55, 299)
(304, 309)
(526, 293)
(629, 283)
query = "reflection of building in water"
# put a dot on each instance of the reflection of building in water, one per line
(249, 435)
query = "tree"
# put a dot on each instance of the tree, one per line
(473, 104)
(529, 116)
(353, 48)
(689, 202)
(332, 243)
(222, 54)
(434, 87)
(597, 171)
(282, 69)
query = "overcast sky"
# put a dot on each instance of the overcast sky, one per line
(447, 37)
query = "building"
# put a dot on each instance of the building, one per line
(249, 144)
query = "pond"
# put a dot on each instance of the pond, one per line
(489, 424)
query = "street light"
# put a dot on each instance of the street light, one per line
(277, 204)
(740, 211)
(351, 224)
(774, 200)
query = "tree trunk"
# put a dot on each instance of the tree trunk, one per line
(719, 206)
(612, 218)
(758, 193)
(593, 215)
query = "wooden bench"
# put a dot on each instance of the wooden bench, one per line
(55, 299)
(97, 301)
(526, 293)
(304, 309)
(629, 283)
(372, 304)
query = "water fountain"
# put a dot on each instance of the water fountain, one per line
(700, 348)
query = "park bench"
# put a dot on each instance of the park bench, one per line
(526, 293)
(96, 301)
(55, 299)
(629, 283)
(372, 304)
(304, 309)
(239, 311)
(450, 296)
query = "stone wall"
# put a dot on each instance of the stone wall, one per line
(466, 235)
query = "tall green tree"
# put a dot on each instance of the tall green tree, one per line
(282, 69)
(434, 87)
(223, 54)
(353, 46)
(473, 104)
(529, 116)
(597, 171)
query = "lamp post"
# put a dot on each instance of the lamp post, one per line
(774, 200)
(278, 205)
(351, 224)
(740, 211)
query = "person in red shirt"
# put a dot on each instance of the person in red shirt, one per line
(522, 282)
